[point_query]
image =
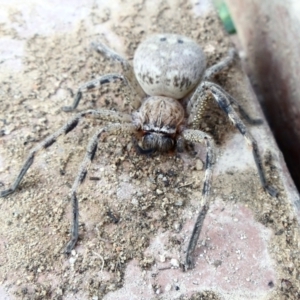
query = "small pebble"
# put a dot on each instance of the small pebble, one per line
(159, 192)
(162, 258)
(135, 201)
(168, 288)
(174, 263)
(72, 260)
(199, 165)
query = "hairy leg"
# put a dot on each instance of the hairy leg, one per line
(128, 79)
(91, 85)
(111, 54)
(212, 71)
(65, 129)
(198, 101)
(136, 90)
(116, 129)
(197, 136)
(225, 104)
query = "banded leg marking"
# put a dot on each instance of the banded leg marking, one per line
(88, 158)
(212, 71)
(225, 104)
(136, 90)
(200, 137)
(111, 54)
(198, 102)
(65, 129)
(90, 85)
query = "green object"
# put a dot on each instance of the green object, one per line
(225, 16)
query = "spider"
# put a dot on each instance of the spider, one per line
(167, 68)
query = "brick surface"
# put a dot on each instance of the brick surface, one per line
(249, 242)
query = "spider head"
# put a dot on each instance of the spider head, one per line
(159, 119)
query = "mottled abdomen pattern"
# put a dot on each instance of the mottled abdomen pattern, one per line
(169, 65)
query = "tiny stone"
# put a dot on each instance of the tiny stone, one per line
(162, 258)
(177, 226)
(179, 203)
(168, 287)
(159, 192)
(72, 260)
(135, 201)
(174, 263)
(199, 165)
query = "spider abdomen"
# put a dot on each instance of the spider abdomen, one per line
(169, 65)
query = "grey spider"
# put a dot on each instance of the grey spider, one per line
(166, 69)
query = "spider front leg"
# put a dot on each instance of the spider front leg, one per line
(69, 126)
(89, 156)
(197, 136)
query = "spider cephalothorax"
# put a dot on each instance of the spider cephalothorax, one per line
(168, 68)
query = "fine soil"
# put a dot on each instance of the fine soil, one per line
(126, 198)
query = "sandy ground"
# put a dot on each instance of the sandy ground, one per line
(136, 212)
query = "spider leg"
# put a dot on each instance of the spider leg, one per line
(226, 105)
(209, 74)
(111, 54)
(127, 68)
(89, 156)
(212, 71)
(242, 111)
(197, 105)
(69, 126)
(91, 85)
(96, 83)
(128, 79)
(198, 136)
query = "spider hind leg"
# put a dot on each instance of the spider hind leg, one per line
(225, 104)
